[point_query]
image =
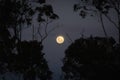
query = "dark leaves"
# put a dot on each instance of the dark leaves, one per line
(41, 1)
(48, 8)
(31, 12)
(77, 7)
(46, 11)
(15, 55)
(91, 59)
(89, 6)
(83, 14)
(30, 60)
(40, 19)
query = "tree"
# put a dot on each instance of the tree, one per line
(6, 45)
(14, 13)
(103, 7)
(16, 55)
(91, 59)
(46, 16)
(30, 61)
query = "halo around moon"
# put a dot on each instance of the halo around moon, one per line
(60, 39)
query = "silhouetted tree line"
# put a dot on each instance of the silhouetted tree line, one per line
(102, 9)
(27, 60)
(92, 59)
(85, 59)
(24, 58)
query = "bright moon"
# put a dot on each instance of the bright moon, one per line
(60, 39)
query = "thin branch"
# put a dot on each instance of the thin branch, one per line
(46, 32)
(92, 10)
(115, 5)
(45, 29)
(53, 29)
(69, 37)
(50, 21)
(33, 34)
(44, 38)
(46, 26)
(101, 19)
(111, 20)
(39, 32)
(119, 26)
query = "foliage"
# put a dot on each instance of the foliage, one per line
(46, 10)
(23, 57)
(14, 14)
(33, 62)
(91, 59)
(104, 8)
(45, 16)
(28, 61)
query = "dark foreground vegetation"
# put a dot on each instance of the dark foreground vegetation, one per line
(92, 59)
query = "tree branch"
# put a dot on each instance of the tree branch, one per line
(69, 37)
(115, 5)
(40, 33)
(101, 19)
(111, 20)
(53, 29)
(46, 26)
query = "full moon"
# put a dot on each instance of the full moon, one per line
(60, 39)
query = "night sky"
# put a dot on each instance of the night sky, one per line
(70, 23)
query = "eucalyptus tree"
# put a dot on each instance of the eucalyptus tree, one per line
(105, 8)
(45, 16)
(30, 61)
(14, 53)
(91, 59)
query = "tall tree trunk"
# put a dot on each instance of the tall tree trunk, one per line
(101, 19)
(3, 78)
(33, 32)
(19, 76)
(20, 32)
(118, 26)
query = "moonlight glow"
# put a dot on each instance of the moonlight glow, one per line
(60, 39)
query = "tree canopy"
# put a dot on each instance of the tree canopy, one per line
(24, 58)
(104, 8)
(91, 59)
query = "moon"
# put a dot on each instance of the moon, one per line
(60, 39)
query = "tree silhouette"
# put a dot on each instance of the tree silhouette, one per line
(24, 58)
(104, 8)
(46, 16)
(91, 59)
(14, 13)
(30, 61)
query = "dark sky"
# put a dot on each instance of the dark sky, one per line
(71, 23)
